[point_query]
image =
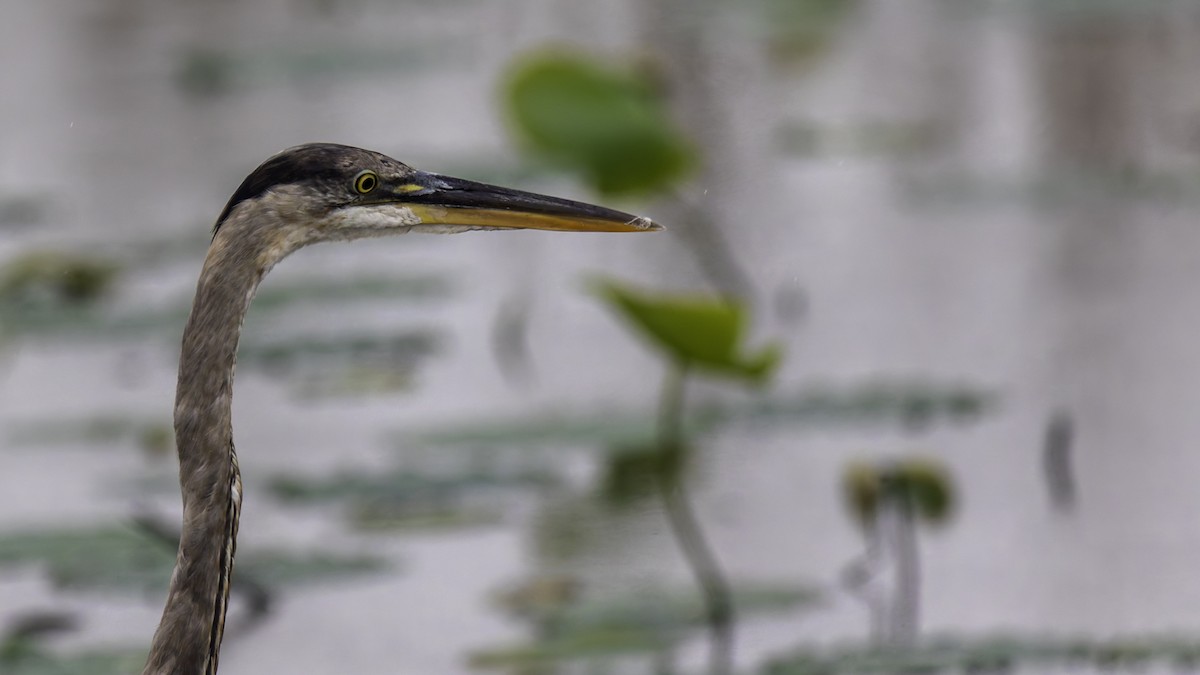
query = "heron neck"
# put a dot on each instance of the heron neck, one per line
(189, 636)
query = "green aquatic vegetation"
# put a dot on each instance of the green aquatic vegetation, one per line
(410, 499)
(799, 31)
(888, 500)
(633, 473)
(606, 428)
(19, 637)
(56, 279)
(948, 654)
(91, 431)
(922, 485)
(76, 321)
(427, 286)
(395, 350)
(659, 608)
(1050, 188)
(647, 620)
(124, 559)
(355, 380)
(694, 331)
(210, 71)
(808, 138)
(113, 661)
(694, 334)
(577, 646)
(411, 484)
(284, 568)
(607, 123)
(90, 323)
(876, 402)
(403, 516)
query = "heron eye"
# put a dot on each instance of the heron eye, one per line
(365, 182)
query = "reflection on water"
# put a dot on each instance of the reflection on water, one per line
(984, 214)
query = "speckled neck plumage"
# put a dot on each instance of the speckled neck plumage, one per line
(188, 638)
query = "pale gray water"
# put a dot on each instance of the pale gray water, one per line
(1086, 304)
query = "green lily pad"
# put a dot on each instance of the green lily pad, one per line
(121, 558)
(410, 500)
(595, 644)
(205, 71)
(279, 355)
(608, 428)
(816, 407)
(90, 322)
(92, 431)
(390, 288)
(410, 485)
(948, 654)
(669, 611)
(799, 31)
(602, 121)
(644, 620)
(53, 279)
(117, 661)
(387, 516)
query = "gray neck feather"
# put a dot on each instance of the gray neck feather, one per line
(189, 636)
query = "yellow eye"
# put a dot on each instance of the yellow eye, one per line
(365, 182)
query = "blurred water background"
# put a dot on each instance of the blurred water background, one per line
(970, 225)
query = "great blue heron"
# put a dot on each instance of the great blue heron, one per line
(304, 195)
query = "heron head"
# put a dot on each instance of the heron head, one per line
(322, 192)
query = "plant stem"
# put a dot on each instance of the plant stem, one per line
(906, 610)
(718, 599)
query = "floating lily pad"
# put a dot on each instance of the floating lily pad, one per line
(121, 558)
(93, 431)
(644, 620)
(798, 31)
(205, 71)
(404, 484)
(411, 500)
(391, 349)
(608, 428)
(595, 644)
(54, 279)
(872, 403)
(356, 380)
(303, 291)
(891, 139)
(429, 490)
(386, 515)
(659, 609)
(101, 323)
(991, 654)
(91, 662)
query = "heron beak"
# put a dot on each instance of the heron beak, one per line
(442, 200)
